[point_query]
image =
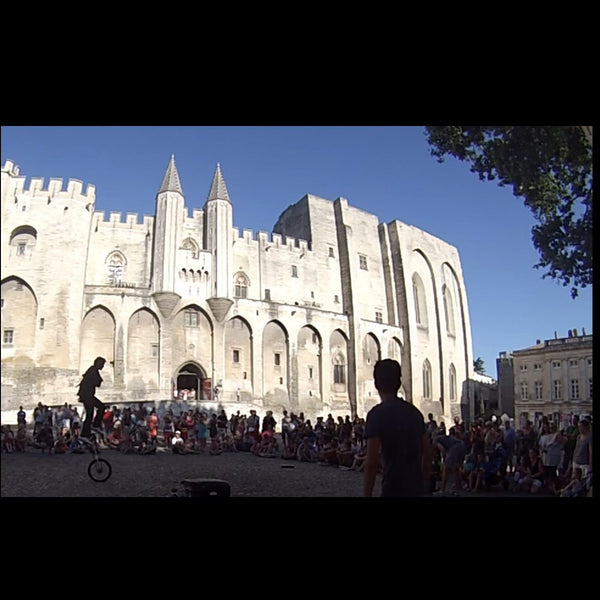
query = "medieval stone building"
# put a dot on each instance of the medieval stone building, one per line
(290, 320)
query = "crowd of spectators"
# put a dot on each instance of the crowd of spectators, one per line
(531, 460)
(474, 458)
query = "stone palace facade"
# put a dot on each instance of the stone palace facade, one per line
(290, 320)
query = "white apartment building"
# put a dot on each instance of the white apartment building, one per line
(554, 378)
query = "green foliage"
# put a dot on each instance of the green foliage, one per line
(551, 169)
(478, 366)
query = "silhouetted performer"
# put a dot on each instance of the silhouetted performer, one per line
(87, 388)
(396, 438)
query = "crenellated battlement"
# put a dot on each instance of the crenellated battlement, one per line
(55, 191)
(274, 240)
(131, 221)
(10, 167)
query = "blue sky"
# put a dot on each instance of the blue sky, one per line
(386, 170)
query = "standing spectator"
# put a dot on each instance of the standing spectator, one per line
(153, 424)
(38, 419)
(489, 439)
(358, 430)
(458, 425)
(551, 447)
(582, 455)
(108, 419)
(477, 472)
(476, 438)
(213, 430)
(330, 424)
(75, 420)
(347, 429)
(253, 425)
(168, 428)
(269, 422)
(319, 432)
(509, 441)
(431, 427)
(222, 424)
(571, 433)
(396, 436)
(67, 420)
(285, 420)
(202, 431)
(233, 423)
(21, 417)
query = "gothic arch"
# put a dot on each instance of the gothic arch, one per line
(192, 333)
(115, 263)
(420, 301)
(239, 357)
(191, 245)
(116, 256)
(97, 338)
(426, 381)
(452, 387)
(275, 358)
(143, 352)
(448, 310)
(241, 283)
(19, 317)
(23, 230)
(462, 324)
(308, 367)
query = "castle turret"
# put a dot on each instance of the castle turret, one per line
(168, 224)
(219, 238)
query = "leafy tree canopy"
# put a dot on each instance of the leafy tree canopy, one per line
(478, 366)
(551, 169)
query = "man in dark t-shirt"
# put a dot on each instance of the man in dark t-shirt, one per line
(396, 439)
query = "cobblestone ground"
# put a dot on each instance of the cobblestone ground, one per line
(33, 474)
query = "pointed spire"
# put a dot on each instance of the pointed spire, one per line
(170, 181)
(218, 189)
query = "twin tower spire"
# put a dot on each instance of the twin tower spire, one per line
(171, 183)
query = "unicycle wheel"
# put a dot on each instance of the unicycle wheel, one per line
(99, 470)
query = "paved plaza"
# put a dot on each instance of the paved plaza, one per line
(33, 474)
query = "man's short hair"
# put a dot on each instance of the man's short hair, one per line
(387, 375)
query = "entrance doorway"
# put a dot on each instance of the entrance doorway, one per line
(192, 383)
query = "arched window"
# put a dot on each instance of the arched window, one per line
(419, 300)
(448, 310)
(192, 246)
(240, 285)
(23, 239)
(452, 382)
(339, 368)
(116, 263)
(427, 380)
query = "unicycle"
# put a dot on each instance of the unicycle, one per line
(99, 469)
